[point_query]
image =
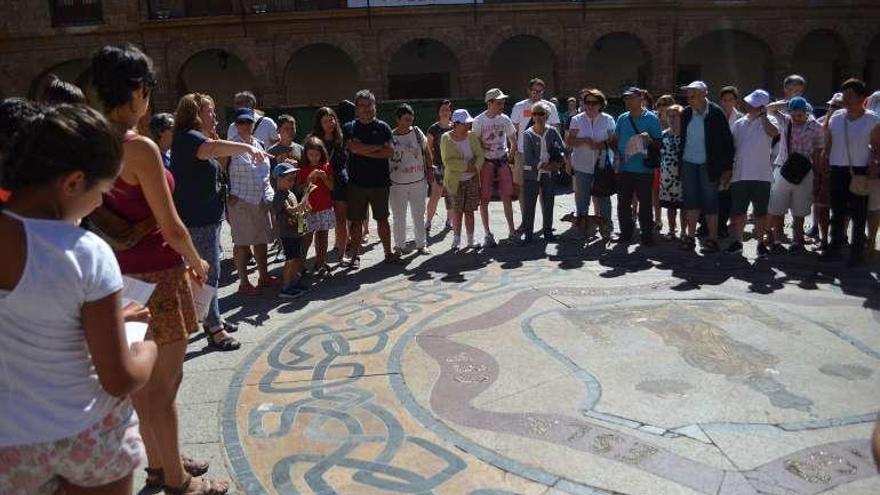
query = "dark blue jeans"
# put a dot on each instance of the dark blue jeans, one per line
(530, 190)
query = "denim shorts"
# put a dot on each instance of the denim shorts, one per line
(700, 193)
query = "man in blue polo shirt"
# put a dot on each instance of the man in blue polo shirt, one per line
(637, 129)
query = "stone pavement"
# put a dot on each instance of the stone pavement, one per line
(547, 369)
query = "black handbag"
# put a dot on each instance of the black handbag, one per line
(796, 166)
(653, 159)
(604, 177)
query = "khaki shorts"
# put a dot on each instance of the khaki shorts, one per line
(467, 198)
(250, 224)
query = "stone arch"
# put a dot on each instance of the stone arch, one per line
(74, 71)
(872, 63)
(821, 56)
(319, 74)
(216, 72)
(518, 59)
(618, 60)
(726, 57)
(423, 68)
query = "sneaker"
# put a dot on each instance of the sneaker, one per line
(472, 244)
(422, 251)
(778, 249)
(763, 250)
(709, 246)
(456, 242)
(797, 249)
(488, 241)
(355, 262)
(735, 247)
(292, 292)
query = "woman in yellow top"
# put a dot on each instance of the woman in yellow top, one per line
(463, 157)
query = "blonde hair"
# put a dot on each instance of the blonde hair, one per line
(186, 117)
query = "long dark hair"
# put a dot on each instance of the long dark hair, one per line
(60, 140)
(318, 129)
(118, 70)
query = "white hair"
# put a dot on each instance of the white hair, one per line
(541, 106)
(873, 102)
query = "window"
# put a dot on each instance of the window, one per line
(76, 12)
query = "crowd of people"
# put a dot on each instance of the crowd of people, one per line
(81, 408)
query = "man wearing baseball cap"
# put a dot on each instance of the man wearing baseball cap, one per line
(752, 169)
(706, 162)
(636, 129)
(498, 137)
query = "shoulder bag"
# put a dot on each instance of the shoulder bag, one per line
(858, 184)
(604, 177)
(796, 166)
(653, 159)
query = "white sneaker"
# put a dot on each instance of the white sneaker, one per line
(489, 241)
(472, 244)
(456, 242)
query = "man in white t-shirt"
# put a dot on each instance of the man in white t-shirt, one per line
(752, 169)
(852, 133)
(498, 136)
(265, 129)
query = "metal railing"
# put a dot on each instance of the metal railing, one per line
(76, 12)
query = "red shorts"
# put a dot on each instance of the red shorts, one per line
(496, 170)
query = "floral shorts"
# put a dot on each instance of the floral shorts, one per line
(321, 220)
(108, 451)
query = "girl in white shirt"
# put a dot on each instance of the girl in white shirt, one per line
(66, 421)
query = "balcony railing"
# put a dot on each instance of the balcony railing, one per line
(166, 9)
(76, 12)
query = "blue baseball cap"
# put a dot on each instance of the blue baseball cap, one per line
(632, 91)
(798, 104)
(283, 169)
(244, 115)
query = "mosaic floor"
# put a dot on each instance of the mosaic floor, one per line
(525, 375)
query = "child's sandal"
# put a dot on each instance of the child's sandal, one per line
(156, 476)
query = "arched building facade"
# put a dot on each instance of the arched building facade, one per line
(318, 57)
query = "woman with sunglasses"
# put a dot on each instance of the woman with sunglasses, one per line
(588, 137)
(543, 154)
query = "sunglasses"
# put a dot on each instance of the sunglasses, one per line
(592, 103)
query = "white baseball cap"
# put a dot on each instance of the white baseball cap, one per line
(495, 94)
(698, 85)
(837, 99)
(461, 116)
(758, 98)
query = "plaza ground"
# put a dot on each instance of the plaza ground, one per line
(548, 369)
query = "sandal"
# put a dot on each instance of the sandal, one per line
(156, 476)
(209, 487)
(269, 282)
(225, 345)
(248, 290)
